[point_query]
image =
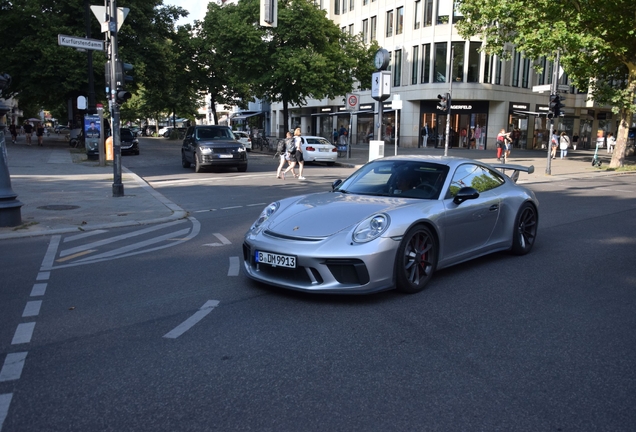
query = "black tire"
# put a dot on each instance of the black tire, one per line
(197, 164)
(416, 259)
(242, 168)
(525, 229)
(184, 161)
(331, 163)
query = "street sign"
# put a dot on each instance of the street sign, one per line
(100, 14)
(542, 88)
(352, 102)
(564, 87)
(80, 42)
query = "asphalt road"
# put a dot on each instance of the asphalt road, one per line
(541, 342)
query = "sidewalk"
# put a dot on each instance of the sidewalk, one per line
(62, 193)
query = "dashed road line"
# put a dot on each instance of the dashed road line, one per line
(12, 368)
(5, 401)
(23, 333)
(190, 322)
(38, 289)
(83, 235)
(234, 266)
(224, 241)
(32, 308)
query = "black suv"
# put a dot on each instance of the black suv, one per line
(129, 142)
(212, 146)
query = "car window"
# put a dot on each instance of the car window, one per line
(316, 141)
(404, 179)
(475, 176)
(125, 133)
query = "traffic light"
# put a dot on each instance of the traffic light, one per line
(121, 78)
(555, 106)
(442, 103)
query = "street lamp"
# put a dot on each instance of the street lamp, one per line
(10, 215)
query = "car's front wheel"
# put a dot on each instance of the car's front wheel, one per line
(416, 259)
(184, 161)
(197, 164)
(525, 230)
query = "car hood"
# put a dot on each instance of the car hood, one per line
(324, 214)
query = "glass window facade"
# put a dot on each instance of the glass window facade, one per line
(397, 70)
(458, 61)
(474, 60)
(426, 63)
(374, 27)
(428, 13)
(418, 19)
(440, 61)
(365, 30)
(415, 64)
(389, 23)
(399, 20)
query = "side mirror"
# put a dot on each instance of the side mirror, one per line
(465, 193)
(335, 184)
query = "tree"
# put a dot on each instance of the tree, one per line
(596, 40)
(305, 56)
(46, 75)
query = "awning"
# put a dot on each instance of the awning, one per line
(244, 116)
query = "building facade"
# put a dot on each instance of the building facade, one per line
(488, 93)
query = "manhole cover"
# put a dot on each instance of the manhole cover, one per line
(58, 207)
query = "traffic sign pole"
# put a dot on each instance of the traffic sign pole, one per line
(118, 186)
(554, 89)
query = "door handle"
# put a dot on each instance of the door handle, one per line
(494, 207)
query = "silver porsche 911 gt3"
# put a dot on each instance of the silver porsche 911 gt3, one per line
(391, 224)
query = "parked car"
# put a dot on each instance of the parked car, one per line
(165, 131)
(318, 149)
(60, 129)
(392, 224)
(129, 141)
(244, 138)
(212, 146)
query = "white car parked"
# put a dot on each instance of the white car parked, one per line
(318, 149)
(243, 138)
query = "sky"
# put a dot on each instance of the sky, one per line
(197, 9)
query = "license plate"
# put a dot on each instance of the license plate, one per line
(275, 260)
(323, 150)
(226, 156)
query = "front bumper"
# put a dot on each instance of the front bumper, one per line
(333, 265)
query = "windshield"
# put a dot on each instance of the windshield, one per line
(214, 133)
(398, 178)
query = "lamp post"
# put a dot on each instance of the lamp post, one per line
(9, 206)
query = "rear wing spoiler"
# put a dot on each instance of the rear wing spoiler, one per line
(516, 169)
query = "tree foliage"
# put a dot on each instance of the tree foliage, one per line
(305, 56)
(596, 40)
(45, 75)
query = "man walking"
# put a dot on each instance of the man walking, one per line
(424, 134)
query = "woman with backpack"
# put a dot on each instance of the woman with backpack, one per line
(282, 150)
(296, 156)
(564, 143)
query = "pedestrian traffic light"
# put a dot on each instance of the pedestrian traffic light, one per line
(442, 103)
(121, 78)
(555, 106)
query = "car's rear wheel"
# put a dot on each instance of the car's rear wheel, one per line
(184, 161)
(242, 168)
(416, 259)
(197, 164)
(525, 230)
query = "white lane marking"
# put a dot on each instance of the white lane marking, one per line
(187, 324)
(257, 204)
(12, 368)
(196, 228)
(224, 241)
(5, 401)
(38, 289)
(204, 180)
(32, 308)
(119, 237)
(234, 266)
(230, 208)
(136, 246)
(83, 235)
(49, 257)
(23, 333)
(43, 275)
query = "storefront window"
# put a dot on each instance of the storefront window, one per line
(364, 128)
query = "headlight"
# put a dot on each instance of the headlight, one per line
(205, 150)
(265, 214)
(371, 228)
(241, 149)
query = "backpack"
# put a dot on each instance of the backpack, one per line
(291, 146)
(280, 148)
